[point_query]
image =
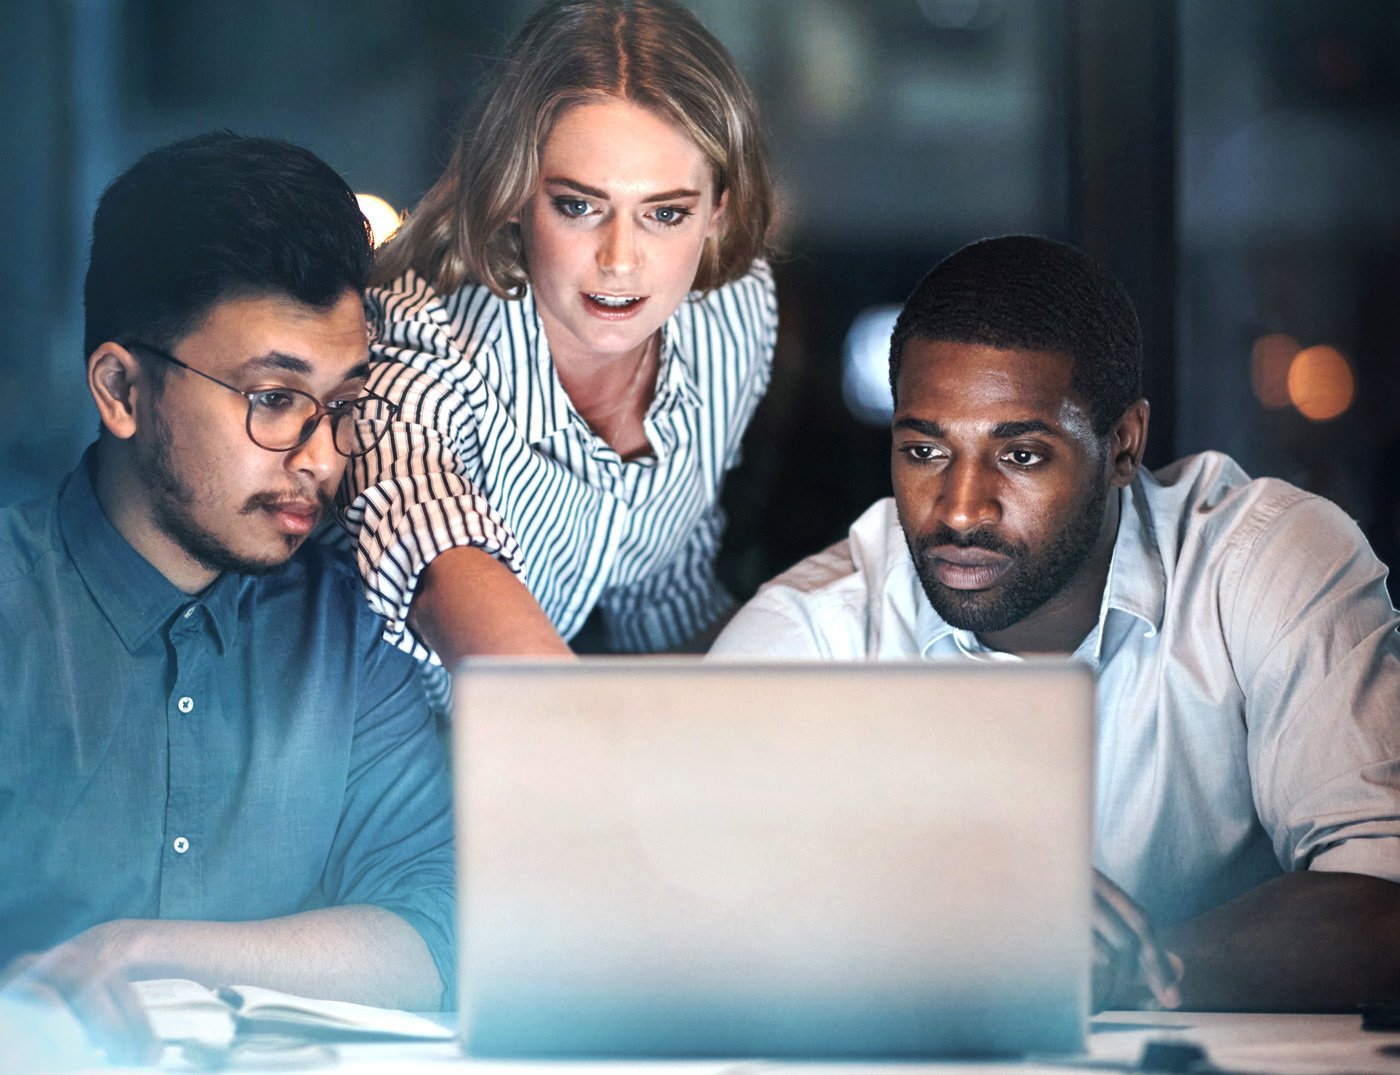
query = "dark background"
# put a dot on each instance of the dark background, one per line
(1235, 164)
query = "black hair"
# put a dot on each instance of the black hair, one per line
(1028, 293)
(217, 217)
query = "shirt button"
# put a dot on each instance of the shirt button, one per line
(190, 611)
(185, 704)
(181, 845)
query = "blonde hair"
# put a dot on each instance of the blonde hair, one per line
(653, 53)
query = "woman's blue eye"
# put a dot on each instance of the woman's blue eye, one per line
(670, 215)
(571, 207)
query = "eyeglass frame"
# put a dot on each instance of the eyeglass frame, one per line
(308, 429)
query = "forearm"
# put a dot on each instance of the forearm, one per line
(469, 603)
(1307, 941)
(358, 953)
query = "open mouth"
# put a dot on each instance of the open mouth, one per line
(612, 305)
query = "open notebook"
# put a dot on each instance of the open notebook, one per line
(185, 1011)
(678, 858)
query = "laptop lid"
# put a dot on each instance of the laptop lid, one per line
(660, 857)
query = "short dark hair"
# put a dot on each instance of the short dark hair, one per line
(1033, 294)
(217, 217)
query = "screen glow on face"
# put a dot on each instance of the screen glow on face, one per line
(614, 231)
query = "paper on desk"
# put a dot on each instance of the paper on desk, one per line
(185, 1011)
(254, 1003)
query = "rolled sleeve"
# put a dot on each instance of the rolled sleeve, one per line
(1376, 856)
(1322, 680)
(411, 497)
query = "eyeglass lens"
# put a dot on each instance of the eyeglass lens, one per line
(282, 419)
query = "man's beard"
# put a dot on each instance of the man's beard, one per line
(1028, 583)
(172, 501)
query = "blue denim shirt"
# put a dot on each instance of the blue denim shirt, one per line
(247, 753)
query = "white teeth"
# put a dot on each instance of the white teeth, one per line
(613, 300)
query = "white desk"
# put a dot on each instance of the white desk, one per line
(1256, 1044)
(1282, 1044)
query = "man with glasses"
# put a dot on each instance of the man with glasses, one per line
(212, 767)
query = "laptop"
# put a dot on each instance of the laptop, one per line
(668, 858)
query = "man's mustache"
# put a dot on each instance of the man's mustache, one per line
(965, 539)
(272, 501)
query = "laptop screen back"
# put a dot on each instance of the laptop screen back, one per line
(668, 858)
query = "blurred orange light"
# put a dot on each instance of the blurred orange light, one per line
(1269, 362)
(1320, 383)
(383, 218)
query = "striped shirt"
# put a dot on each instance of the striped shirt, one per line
(488, 451)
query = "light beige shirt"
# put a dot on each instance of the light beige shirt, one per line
(1248, 678)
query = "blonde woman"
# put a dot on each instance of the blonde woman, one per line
(576, 324)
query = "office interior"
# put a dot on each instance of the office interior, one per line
(1234, 164)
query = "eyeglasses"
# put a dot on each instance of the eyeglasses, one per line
(280, 419)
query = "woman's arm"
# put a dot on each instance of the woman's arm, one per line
(439, 563)
(468, 603)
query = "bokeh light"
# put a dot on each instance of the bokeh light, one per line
(1269, 362)
(865, 365)
(1320, 383)
(383, 218)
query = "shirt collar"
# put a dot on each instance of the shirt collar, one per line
(542, 408)
(1137, 582)
(135, 597)
(940, 639)
(676, 380)
(541, 405)
(933, 632)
